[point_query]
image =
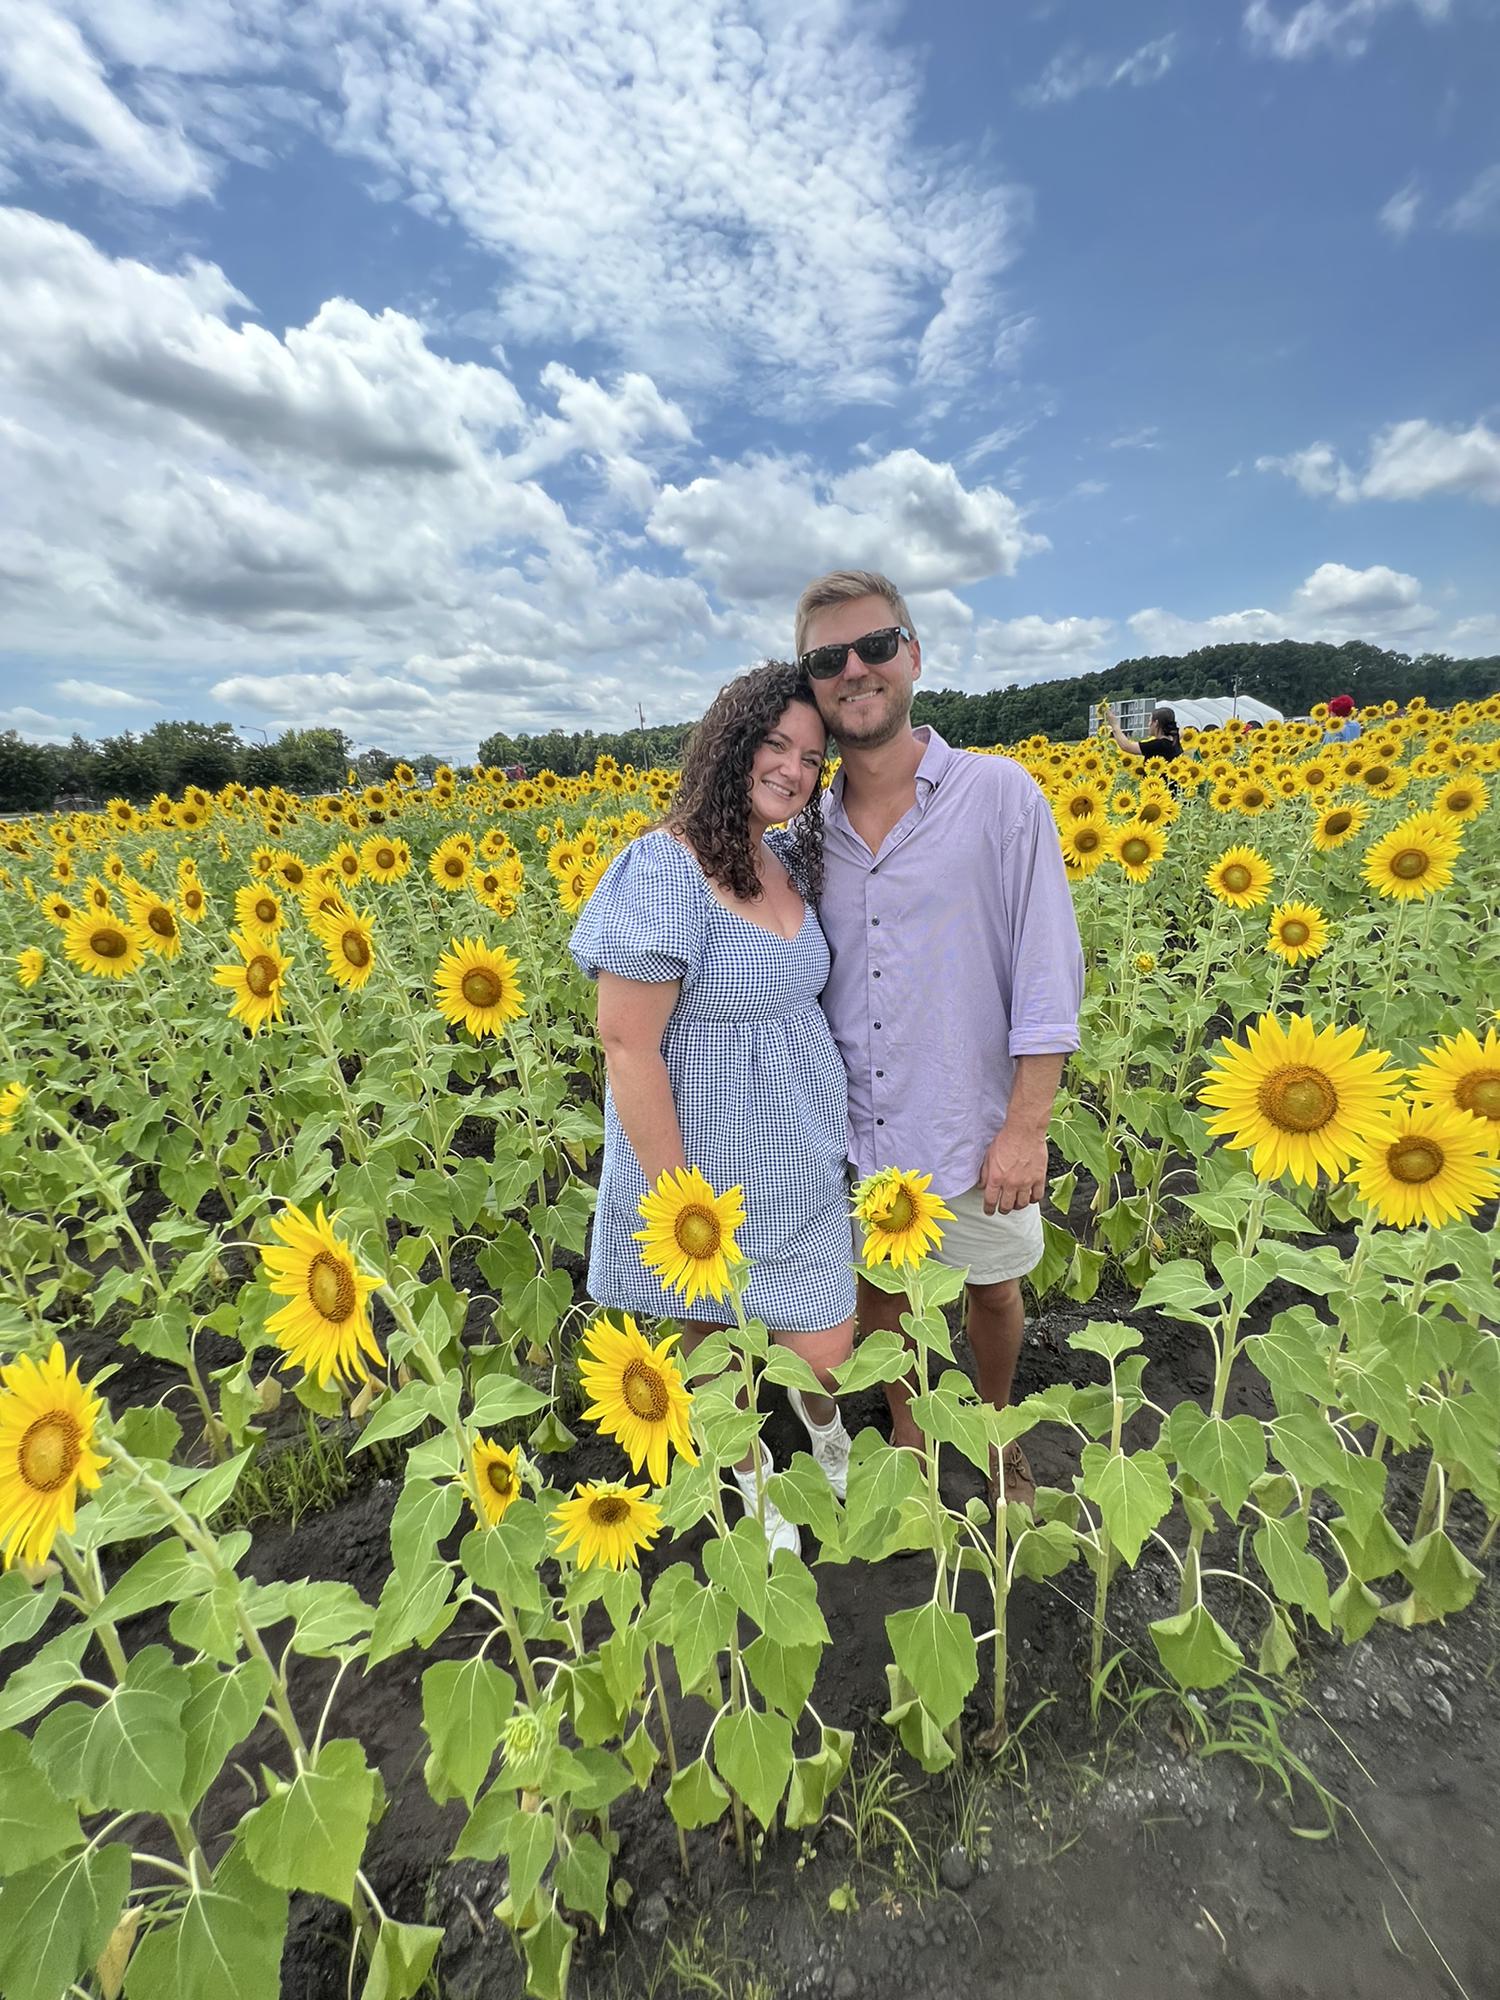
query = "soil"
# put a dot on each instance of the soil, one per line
(1120, 1860)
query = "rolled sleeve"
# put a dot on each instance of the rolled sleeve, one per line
(1047, 957)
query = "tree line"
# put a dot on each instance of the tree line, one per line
(1289, 674)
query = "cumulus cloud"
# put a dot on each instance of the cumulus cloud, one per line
(1030, 648)
(1337, 27)
(1413, 460)
(1074, 70)
(95, 694)
(1334, 603)
(758, 530)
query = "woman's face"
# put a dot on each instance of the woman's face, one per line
(784, 771)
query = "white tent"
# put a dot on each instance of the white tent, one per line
(1216, 708)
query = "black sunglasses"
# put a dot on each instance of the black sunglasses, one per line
(875, 648)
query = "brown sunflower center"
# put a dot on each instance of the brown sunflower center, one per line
(109, 944)
(350, 866)
(1480, 1091)
(50, 1451)
(293, 874)
(607, 1510)
(355, 950)
(1338, 822)
(481, 987)
(1298, 1099)
(1237, 878)
(1253, 796)
(501, 1477)
(697, 1232)
(1086, 840)
(454, 866)
(330, 1286)
(261, 975)
(160, 921)
(1411, 864)
(645, 1390)
(385, 857)
(192, 899)
(1083, 806)
(1415, 1161)
(1459, 801)
(1134, 851)
(1294, 932)
(265, 911)
(1377, 775)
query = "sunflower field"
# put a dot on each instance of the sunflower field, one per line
(300, 1109)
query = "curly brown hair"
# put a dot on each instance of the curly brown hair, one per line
(712, 808)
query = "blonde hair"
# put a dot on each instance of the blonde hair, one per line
(845, 586)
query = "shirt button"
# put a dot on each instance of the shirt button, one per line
(877, 1024)
(874, 975)
(876, 922)
(879, 1121)
(880, 1072)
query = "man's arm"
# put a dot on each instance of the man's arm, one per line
(1015, 1162)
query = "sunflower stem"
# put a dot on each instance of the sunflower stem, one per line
(106, 1193)
(670, 1740)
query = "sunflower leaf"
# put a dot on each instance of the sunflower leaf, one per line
(55, 1920)
(226, 1945)
(753, 1754)
(310, 1834)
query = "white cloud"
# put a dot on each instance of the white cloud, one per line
(1147, 438)
(1341, 27)
(1074, 70)
(1399, 215)
(1413, 460)
(758, 530)
(1477, 210)
(711, 170)
(94, 694)
(1036, 649)
(1334, 603)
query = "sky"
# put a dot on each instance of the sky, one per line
(430, 367)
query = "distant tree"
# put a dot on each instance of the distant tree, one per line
(261, 764)
(374, 767)
(28, 774)
(195, 753)
(128, 767)
(313, 760)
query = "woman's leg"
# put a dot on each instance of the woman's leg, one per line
(823, 1352)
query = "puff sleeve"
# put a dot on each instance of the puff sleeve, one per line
(646, 918)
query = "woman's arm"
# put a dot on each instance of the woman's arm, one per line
(633, 1016)
(1127, 743)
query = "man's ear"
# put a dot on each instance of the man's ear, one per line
(915, 649)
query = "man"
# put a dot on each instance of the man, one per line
(956, 970)
(1347, 726)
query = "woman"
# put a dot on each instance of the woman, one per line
(705, 943)
(1163, 740)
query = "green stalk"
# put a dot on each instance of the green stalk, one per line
(671, 1747)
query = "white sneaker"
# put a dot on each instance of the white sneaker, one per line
(780, 1532)
(830, 1444)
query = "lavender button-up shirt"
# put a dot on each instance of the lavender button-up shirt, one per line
(954, 951)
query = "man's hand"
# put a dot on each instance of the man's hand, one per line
(1014, 1174)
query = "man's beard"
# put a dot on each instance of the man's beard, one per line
(886, 730)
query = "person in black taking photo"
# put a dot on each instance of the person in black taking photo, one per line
(1162, 742)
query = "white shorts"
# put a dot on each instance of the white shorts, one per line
(991, 1248)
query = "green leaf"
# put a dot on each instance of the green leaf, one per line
(695, 1797)
(501, 1398)
(1110, 1338)
(415, 1606)
(952, 1414)
(815, 1779)
(882, 1356)
(531, 1838)
(1278, 1648)
(401, 1960)
(215, 1488)
(465, 1705)
(1371, 1385)
(394, 1416)
(1373, 1552)
(129, 1754)
(1355, 1608)
(582, 1878)
(1295, 1575)
(1310, 1449)
(803, 1495)
(784, 1675)
(792, 1614)
(702, 1621)
(55, 1920)
(1045, 1549)
(1182, 1288)
(1195, 1649)
(35, 1823)
(787, 1369)
(1441, 1576)
(220, 1711)
(736, 1565)
(327, 1618)
(425, 1513)
(226, 1945)
(24, 1607)
(506, 1559)
(934, 1649)
(642, 1755)
(753, 1753)
(1225, 1455)
(310, 1834)
(52, 1672)
(548, 1946)
(1133, 1492)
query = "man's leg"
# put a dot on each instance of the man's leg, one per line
(884, 1309)
(997, 1320)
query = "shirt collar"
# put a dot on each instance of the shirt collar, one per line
(937, 758)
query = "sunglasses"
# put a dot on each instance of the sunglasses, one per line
(875, 648)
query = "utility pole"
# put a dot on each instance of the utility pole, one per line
(641, 714)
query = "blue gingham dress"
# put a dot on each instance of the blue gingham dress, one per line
(759, 1087)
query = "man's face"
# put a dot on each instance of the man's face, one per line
(863, 706)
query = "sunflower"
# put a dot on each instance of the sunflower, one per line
(57, 910)
(1413, 860)
(345, 858)
(12, 1097)
(688, 1241)
(156, 921)
(1424, 1163)
(1138, 847)
(608, 1523)
(1082, 802)
(575, 888)
(30, 965)
(103, 946)
(475, 986)
(325, 1329)
(1336, 823)
(450, 863)
(497, 1478)
(1463, 1074)
(1240, 877)
(1145, 962)
(1297, 931)
(1462, 798)
(192, 899)
(292, 869)
(1296, 1097)
(1085, 847)
(47, 1420)
(348, 937)
(263, 861)
(899, 1217)
(256, 982)
(257, 908)
(96, 896)
(1252, 795)
(638, 1395)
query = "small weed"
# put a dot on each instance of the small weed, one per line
(310, 1476)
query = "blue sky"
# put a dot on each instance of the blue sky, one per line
(429, 369)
